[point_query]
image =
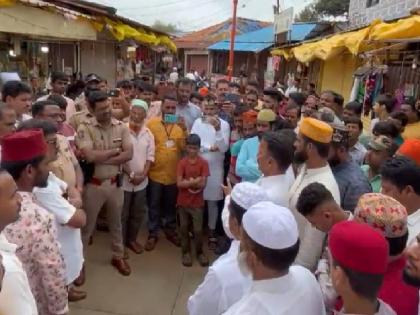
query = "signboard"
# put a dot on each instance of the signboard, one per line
(283, 21)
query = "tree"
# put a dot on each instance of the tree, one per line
(165, 27)
(332, 8)
(308, 14)
(323, 10)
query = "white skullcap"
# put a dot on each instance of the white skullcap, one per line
(248, 194)
(271, 226)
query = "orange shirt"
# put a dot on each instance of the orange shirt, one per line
(169, 144)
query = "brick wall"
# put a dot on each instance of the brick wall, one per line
(359, 14)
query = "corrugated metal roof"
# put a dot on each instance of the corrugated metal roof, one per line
(210, 35)
(249, 42)
(264, 38)
(301, 30)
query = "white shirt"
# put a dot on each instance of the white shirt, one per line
(209, 138)
(190, 76)
(311, 239)
(173, 77)
(277, 187)
(24, 118)
(190, 112)
(143, 151)
(15, 296)
(51, 198)
(223, 286)
(296, 293)
(225, 218)
(384, 309)
(413, 222)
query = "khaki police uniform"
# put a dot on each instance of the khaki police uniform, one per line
(102, 190)
(79, 118)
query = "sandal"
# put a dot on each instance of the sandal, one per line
(212, 243)
(151, 243)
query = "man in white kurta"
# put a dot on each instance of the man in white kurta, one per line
(51, 198)
(275, 156)
(277, 288)
(214, 134)
(312, 146)
(224, 284)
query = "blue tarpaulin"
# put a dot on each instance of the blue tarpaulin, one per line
(262, 39)
(252, 42)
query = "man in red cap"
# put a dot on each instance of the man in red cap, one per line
(359, 259)
(389, 217)
(24, 156)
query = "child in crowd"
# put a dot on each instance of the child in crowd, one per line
(192, 176)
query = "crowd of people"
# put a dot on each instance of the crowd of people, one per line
(308, 213)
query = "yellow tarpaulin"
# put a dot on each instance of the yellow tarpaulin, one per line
(118, 29)
(7, 3)
(123, 31)
(286, 52)
(354, 42)
(405, 28)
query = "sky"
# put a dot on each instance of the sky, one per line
(189, 15)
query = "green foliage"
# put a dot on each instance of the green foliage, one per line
(332, 7)
(308, 14)
(165, 27)
(323, 9)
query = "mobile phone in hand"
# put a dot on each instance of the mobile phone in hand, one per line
(114, 93)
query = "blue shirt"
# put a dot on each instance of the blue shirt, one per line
(352, 183)
(246, 165)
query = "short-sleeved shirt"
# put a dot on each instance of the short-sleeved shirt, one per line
(169, 144)
(188, 169)
(51, 198)
(63, 167)
(93, 136)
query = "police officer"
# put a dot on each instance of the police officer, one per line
(105, 142)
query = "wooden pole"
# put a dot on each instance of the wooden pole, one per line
(232, 41)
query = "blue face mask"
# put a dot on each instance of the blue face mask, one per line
(170, 118)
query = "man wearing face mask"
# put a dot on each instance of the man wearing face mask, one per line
(247, 165)
(350, 178)
(312, 149)
(170, 133)
(269, 246)
(224, 284)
